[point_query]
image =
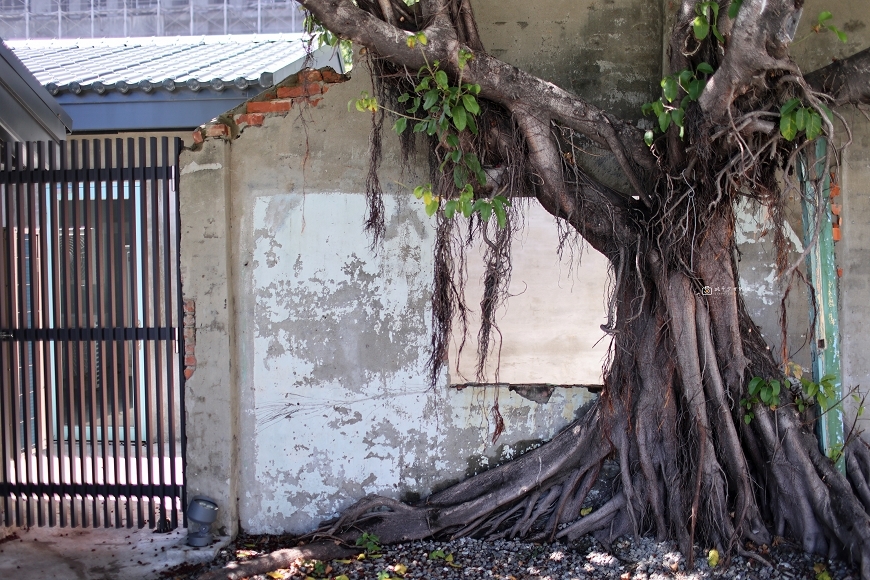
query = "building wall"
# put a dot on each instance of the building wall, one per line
(309, 389)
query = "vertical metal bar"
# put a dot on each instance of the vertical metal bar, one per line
(89, 346)
(123, 349)
(75, 279)
(135, 356)
(109, 382)
(25, 230)
(182, 432)
(110, 368)
(45, 322)
(20, 382)
(37, 384)
(100, 221)
(172, 342)
(64, 310)
(157, 383)
(143, 431)
(57, 186)
(7, 425)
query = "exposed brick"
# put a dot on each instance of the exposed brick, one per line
(324, 88)
(269, 106)
(217, 130)
(839, 272)
(190, 361)
(253, 119)
(188, 372)
(197, 136)
(303, 90)
(313, 102)
(836, 233)
(330, 76)
(310, 75)
(189, 306)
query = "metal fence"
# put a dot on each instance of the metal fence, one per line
(91, 388)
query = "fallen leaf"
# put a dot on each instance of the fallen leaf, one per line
(586, 511)
(400, 569)
(713, 557)
(343, 561)
(341, 577)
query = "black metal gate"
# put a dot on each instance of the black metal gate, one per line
(91, 384)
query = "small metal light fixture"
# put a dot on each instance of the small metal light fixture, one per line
(201, 514)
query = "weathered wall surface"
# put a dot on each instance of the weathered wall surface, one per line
(310, 389)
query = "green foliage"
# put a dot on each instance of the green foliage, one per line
(706, 21)
(794, 118)
(444, 111)
(760, 391)
(821, 393)
(734, 8)
(369, 542)
(311, 25)
(821, 25)
(671, 106)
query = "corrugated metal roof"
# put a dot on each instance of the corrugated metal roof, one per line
(180, 63)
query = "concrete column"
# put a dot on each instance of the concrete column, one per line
(211, 392)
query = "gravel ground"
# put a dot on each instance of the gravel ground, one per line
(628, 559)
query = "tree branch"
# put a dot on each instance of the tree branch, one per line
(847, 81)
(500, 82)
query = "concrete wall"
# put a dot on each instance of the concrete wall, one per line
(309, 389)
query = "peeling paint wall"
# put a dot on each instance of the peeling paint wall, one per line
(310, 388)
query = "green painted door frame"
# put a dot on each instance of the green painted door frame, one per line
(822, 274)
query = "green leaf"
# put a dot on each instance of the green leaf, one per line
(432, 206)
(685, 77)
(824, 16)
(677, 116)
(460, 176)
(788, 126)
(646, 108)
(441, 79)
(696, 87)
(766, 395)
(431, 97)
(403, 97)
(789, 106)
(431, 127)
(800, 118)
(481, 177)
(472, 124)
(500, 213)
(670, 88)
(455, 155)
(705, 68)
(658, 107)
(664, 120)
(734, 8)
(718, 34)
(755, 385)
(840, 34)
(701, 27)
(400, 125)
(775, 386)
(423, 86)
(459, 117)
(471, 104)
(450, 208)
(828, 112)
(484, 207)
(814, 125)
(453, 141)
(648, 138)
(472, 162)
(420, 127)
(421, 38)
(747, 418)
